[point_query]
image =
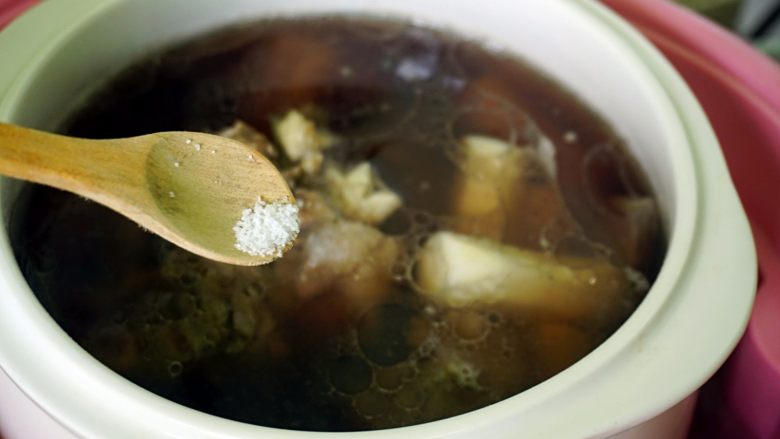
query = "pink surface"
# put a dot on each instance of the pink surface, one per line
(10, 9)
(740, 91)
(717, 48)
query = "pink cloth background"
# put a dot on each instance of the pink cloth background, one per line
(740, 90)
(9, 9)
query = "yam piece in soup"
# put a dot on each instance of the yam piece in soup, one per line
(468, 229)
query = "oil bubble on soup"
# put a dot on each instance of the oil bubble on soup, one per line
(468, 229)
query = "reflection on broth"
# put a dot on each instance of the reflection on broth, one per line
(468, 229)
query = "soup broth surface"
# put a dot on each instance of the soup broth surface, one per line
(469, 229)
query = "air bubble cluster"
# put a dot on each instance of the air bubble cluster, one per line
(407, 361)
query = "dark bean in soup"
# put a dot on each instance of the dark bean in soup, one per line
(469, 229)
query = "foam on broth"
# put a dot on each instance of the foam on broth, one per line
(356, 328)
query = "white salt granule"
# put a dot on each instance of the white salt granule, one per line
(267, 228)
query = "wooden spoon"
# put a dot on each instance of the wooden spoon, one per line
(189, 188)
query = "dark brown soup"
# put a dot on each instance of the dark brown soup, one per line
(468, 229)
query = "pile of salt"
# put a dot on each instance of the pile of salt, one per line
(267, 229)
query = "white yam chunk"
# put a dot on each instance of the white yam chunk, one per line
(296, 134)
(545, 150)
(360, 194)
(491, 169)
(460, 270)
(489, 159)
(506, 192)
(488, 165)
(303, 143)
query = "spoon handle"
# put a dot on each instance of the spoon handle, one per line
(91, 168)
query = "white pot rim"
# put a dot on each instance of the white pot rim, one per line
(642, 355)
